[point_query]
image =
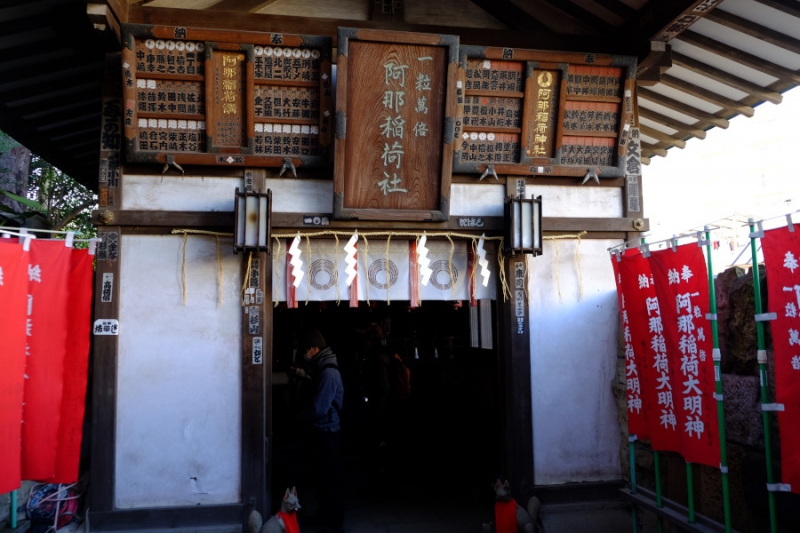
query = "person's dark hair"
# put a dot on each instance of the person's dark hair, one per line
(311, 338)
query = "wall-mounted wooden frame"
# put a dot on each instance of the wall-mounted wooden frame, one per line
(395, 107)
(212, 97)
(530, 112)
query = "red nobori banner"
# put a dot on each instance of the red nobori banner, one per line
(73, 400)
(640, 395)
(14, 297)
(46, 329)
(681, 284)
(782, 259)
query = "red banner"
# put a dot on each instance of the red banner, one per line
(14, 297)
(634, 330)
(73, 400)
(681, 284)
(48, 273)
(782, 258)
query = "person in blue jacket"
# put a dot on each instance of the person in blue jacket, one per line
(321, 416)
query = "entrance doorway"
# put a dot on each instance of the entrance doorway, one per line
(431, 454)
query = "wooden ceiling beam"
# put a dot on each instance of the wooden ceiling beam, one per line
(645, 160)
(511, 15)
(329, 27)
(686, 130)
(661, 136)
(584, 17)
(721, 76)
(708, 96)
(28, 96)
(789, 7)
(620, 9)
(748, 27)
(652, 149)
(682, 108)
(42, 80)
(739, 56)
(662, 21)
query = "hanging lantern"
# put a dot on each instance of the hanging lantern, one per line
(253, 213)
(523, 226)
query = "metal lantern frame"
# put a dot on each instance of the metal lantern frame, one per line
(523, 226)
(252, 221)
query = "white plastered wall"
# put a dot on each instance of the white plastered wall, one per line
(573, 328)
(178, 427)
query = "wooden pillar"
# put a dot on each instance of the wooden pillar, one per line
(515, 373)
(256, 373)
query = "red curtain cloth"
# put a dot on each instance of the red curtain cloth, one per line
(681, 282)
(782, 259)
(48, 274)
(13, 295)
(639, 375)
(73, 400)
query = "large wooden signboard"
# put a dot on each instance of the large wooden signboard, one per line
(542, 113)
(230, 98)
(394, 113)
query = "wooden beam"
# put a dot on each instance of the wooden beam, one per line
(657, 61)
(511, 15)
(620, 9)
(748, 27)
(652, 149)
(583, 16)
(739, 56)
(789, 7)
(661, 136)
(329, 27)
(662, 21)
(721, 76)
(685, 109)
(103, 18)
(706, 95)
(171, 219)
(688, 130)
(645, 160)
(244, 6)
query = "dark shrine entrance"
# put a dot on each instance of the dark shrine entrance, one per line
(428, 457)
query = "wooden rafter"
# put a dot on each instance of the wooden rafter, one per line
(583, 16)
(661, 21)
(680, 107)
(620, 9)
(511, 15)
(706, 95)
(686, 130)
(739, 56)
(789, 7)
(652, 149)
(748, 27)
(721, 76)
(661, 136)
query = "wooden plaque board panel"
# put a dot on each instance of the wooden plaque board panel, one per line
(532, 112)
(395, 106)
(214, 97)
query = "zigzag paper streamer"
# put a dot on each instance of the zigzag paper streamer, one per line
(422, 259)
(483, 262)
(297, 264)
(350, 259)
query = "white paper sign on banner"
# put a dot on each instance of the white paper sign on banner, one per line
(325, 271)
(377, 281)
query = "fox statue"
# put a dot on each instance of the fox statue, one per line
(284, 521)
(510, 517)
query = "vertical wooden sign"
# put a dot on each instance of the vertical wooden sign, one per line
(225, 81)
(395, 111)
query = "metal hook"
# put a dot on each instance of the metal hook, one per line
(171, 162)
(287, 164)
(591, 175)
(489, 171)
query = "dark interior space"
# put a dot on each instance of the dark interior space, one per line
(438, 443)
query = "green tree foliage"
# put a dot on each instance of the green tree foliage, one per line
(53, 200)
